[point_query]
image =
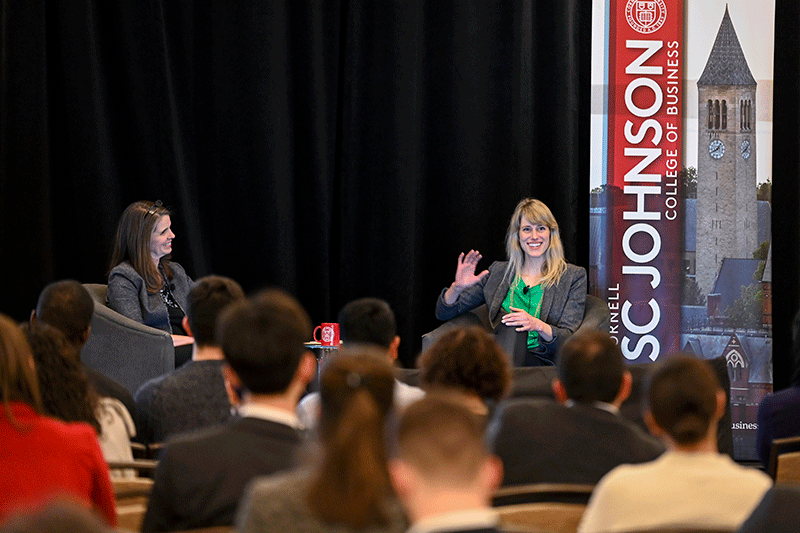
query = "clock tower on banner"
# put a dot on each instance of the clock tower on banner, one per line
(727, 213)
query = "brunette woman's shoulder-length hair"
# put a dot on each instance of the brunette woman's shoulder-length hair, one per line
(64, 387)
(18, 381)
(132, 242)
(538, 213)
(351, 484)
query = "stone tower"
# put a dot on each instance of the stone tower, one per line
(727, 213)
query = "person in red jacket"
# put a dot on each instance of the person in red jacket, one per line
(43, 459)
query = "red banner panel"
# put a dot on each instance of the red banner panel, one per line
(643, 215)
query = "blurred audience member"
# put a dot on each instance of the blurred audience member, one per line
(778, 512)
(59, 517)
(467, 364)
(201, 476)
(691, 484)
(67, 395)
(778, 416)
(67, 306)
(442, 472)
(365, 321)
(348, 489)
(582, 436)
(192, 396)
(43, 458)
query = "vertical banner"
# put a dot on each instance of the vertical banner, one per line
(643, 218)
(681, 186)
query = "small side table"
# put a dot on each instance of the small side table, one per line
(322, 354)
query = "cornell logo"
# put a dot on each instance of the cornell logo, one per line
(646, 16)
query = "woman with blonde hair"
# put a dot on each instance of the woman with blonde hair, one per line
(43, 459)
(535, 292)
(348, 489)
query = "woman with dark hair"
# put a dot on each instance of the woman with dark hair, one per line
(535, 291)
(43, 458)
(691, 484)
(348, 489)
(65, 390)
(68, 396)
(468, 365)
(144, 284)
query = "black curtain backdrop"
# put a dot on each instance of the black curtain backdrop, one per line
(336, 149)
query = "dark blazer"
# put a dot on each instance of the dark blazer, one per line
(542, 441)
(562, 305)
(128, 295)
(778, 512)
(778, 417)
(201, 476)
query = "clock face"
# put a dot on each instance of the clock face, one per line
(716, 149)
(746, 149)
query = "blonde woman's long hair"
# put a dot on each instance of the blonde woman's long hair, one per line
(554, 264)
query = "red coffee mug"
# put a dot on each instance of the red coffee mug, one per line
(330, 334)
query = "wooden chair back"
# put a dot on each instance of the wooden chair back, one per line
(543, 492)
(132, 495)
(780, 447)
(788, 468)
(545, 517)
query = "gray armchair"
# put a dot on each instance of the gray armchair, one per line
(596, 315)
(123, 349)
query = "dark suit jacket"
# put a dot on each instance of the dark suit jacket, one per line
(778, 417)
(778, 512)
(201, 476)
(542, 441)
(562, 305)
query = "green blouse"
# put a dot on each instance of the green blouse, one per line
(530, 303)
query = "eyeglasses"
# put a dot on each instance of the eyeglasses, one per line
(155, 207)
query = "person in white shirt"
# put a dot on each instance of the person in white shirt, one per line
(365, 321)
(442, 471)
(691, 484)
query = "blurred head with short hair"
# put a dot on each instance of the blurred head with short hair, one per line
(441, 462)
(262, 338)
(591, 369)
(67, 306)
(207, 298)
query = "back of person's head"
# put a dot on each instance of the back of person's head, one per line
(62, 516)
(352, 481)
(262, 339)
(468, 360)
(442, 441)
(206, 300)
(67, 306)
(367, 320)
(681, 393)
(64, 387)
(18, 381)
(591, 367)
